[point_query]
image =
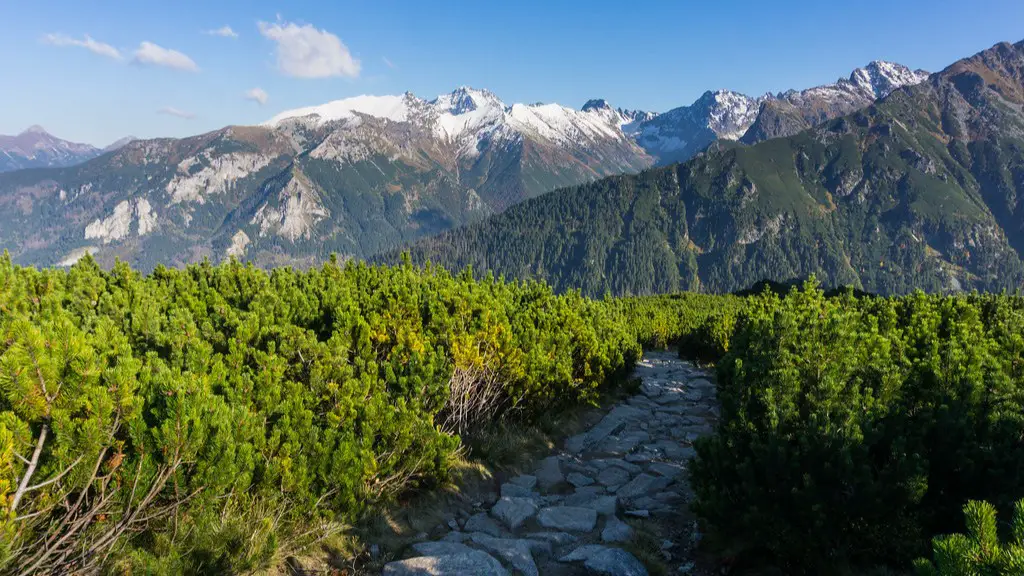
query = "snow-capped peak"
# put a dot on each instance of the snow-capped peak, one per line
(881, 78)
(394, 108)
(35, 129)
(465, 99)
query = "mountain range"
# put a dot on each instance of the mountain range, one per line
(364, 175)
(36, 148)
(921, 189)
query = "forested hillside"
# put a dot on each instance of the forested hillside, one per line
(917, 191)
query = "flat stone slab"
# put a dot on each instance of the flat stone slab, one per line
(613, 476)
(514, 511)
(509, 490)
(666, 469)
(472, 563)
(568, 518)
(482, 523)
(527, 481)
(516, 552)
(579, 480)
(582, 553)
(615, 562)
(549, 474)
(643, 484)
(616, 531)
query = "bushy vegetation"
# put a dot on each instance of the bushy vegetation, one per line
(211, 419)
(853, 429)
(980, 551)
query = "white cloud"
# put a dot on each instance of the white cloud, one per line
(149, 53)
(87, 42)
(388, 62)
(171, 111)
(257, 95)
(306, 52)
(223, 31)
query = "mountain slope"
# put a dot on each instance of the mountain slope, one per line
(354, 176)
(918, 190)
(681, 133)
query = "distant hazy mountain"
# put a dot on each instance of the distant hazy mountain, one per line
(36, 148)
(919, 190)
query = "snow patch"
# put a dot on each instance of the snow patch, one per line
(394, 108)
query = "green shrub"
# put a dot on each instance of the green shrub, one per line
(980, 550)
(848, 425)
(134, 406)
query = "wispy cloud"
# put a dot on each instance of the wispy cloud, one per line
(87, 42)
(258, 95)
(171, 111)
(223, 31)
(149, 53)
(388, 62)
(307, 52)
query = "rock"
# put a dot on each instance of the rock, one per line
(687, 568)
(579, 480)
(509, 490)
(643, 484)
(650, 389)
(453, 525)
(472, 563)
(613, 422)
(603, 505)
(374, 551)
(584, 495)
(556, 538)
(576, 444)
(645, 456)
(514, 511)
(667, 544)
(616, 531)
(568, 518)
(516, 552)
(639, 513)
(615, 562)
(613, 475)
(525, 480)
(440, 548)
(549, 474)
(666, 469)
(482, 523)
(456, 537)
(624, 443)
(582, 553)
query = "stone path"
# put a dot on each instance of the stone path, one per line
(571, 516)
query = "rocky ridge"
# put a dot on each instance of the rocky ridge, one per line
(573, 514)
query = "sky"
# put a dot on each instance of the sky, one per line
(100, 70)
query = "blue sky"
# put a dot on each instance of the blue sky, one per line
(639, 54)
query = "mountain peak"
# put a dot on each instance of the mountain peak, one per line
(596, 104)
(35, 129)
